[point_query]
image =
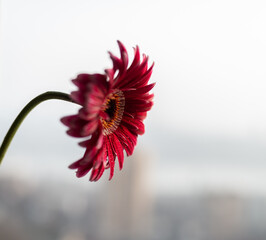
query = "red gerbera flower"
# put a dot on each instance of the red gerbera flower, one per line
(114, 106)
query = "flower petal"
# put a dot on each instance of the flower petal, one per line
(111, 158)
(118, 149)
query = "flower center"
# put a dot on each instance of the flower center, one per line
(113, 109)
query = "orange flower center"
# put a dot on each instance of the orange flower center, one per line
(113, 109)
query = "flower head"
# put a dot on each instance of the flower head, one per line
(113, 107)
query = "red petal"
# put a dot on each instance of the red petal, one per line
(129, 139)
(111, 158)
(144, 78)
(135, 124)
(94, 174)
(139, 91)
(135, 60)
(127, 145)
(75, 125)
(94, 142)
(138, 107)
(130, 136)
(141, 115)
(110, 73)
(117, 63)
(100, 171)
(78, 97)
(75, 165)
(124, 55)
(83, 171)
(118, 148)
(136, 102)
(90, 127)
(83, 81)
(88, 116)
(132, 77)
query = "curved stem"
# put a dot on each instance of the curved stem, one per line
(24, 112)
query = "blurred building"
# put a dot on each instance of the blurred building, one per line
(128, 207)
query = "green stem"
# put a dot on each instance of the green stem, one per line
(24, 112)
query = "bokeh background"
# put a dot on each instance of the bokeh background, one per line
(199, 171)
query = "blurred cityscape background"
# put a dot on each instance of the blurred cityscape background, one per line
(199, 171)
